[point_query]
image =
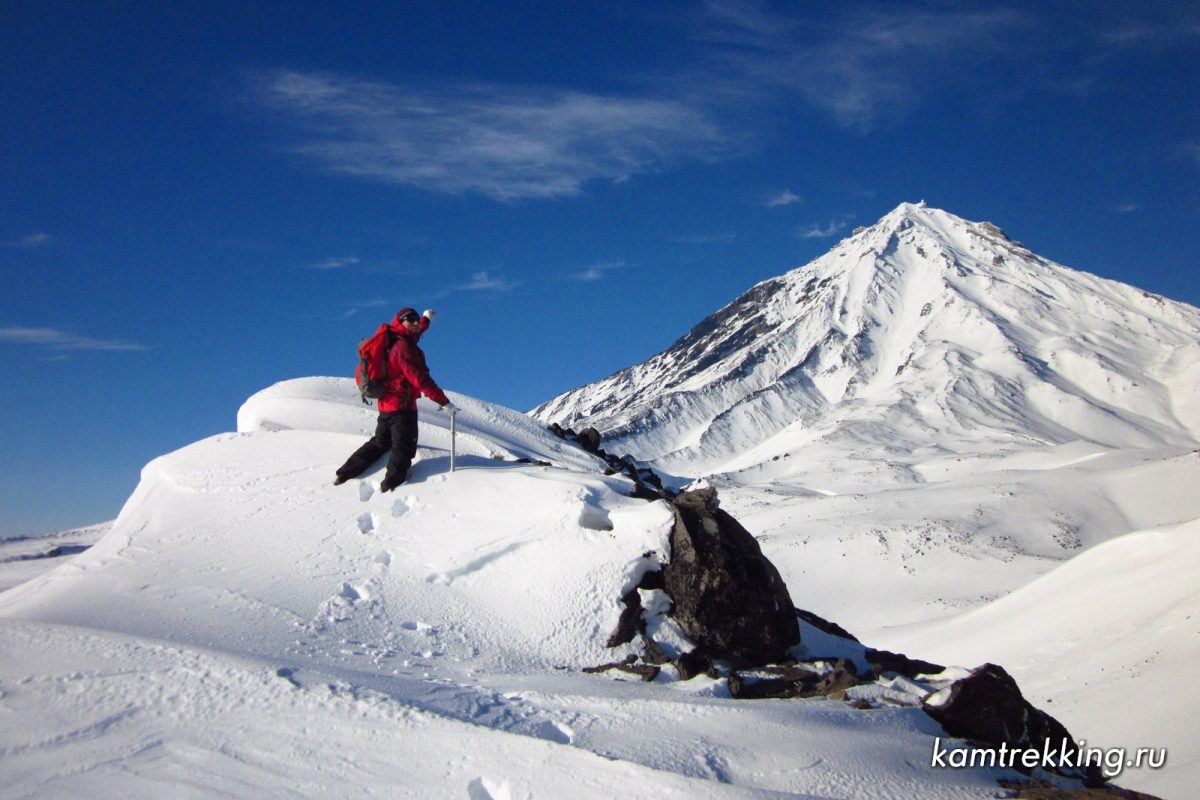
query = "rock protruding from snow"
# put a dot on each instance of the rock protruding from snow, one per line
(796, 681)
(987, 708)
(647, 484)
(728, 597)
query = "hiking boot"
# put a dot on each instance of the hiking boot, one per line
(390, 483)
(338, 480)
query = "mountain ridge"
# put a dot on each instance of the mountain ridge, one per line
(923, 321)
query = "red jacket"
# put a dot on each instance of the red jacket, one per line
(408, 377)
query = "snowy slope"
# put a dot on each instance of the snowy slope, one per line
(925, 420)
(922, 331)
(1109, 637)
(27, 557)
(247, 629)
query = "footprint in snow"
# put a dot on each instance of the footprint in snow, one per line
(552, 731)
(366, 523)
(484, 789)
(400, 508)
(355, 594)
(289, 675)
(383, 558)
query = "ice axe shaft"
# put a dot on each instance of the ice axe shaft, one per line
(453, 434)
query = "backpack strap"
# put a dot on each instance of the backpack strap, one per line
(389, 341)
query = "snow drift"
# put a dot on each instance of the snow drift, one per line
(246, 628)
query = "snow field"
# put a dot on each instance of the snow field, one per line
(1072, 566)
(127, 717)
(1107, 641)
(248, 629)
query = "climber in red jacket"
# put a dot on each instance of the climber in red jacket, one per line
(396, 430)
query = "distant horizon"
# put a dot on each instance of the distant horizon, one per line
(199, 203)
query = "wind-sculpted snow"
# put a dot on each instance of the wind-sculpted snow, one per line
(485, 430)
(247, 629)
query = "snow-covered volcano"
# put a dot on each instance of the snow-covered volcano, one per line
(923, 331)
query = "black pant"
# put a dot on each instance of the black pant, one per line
(396, 432)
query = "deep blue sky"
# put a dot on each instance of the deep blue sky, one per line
(200, 199)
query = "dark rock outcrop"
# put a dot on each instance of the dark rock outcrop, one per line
(728, 597)
(837, 681)
(646, 483)
(883, 661)
(725, 595)
(1041, 790)
(694, 663)
(744, 687)
(824, 625)
(589, 440)
(647, 672)
(796, 680)
(988, 709)
(630, 623)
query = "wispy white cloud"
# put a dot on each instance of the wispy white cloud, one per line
(366, 305)
(823, 231)
(785, 198)
(486, 282)
(505, 142)
(1151, 26)
(745, 23)
(33, 241)
(55, 339)
(860, 65)
(597, 271)
(334, 263)
(1126, 208)
(1117, 32)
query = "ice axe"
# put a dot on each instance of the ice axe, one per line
(452, 410)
